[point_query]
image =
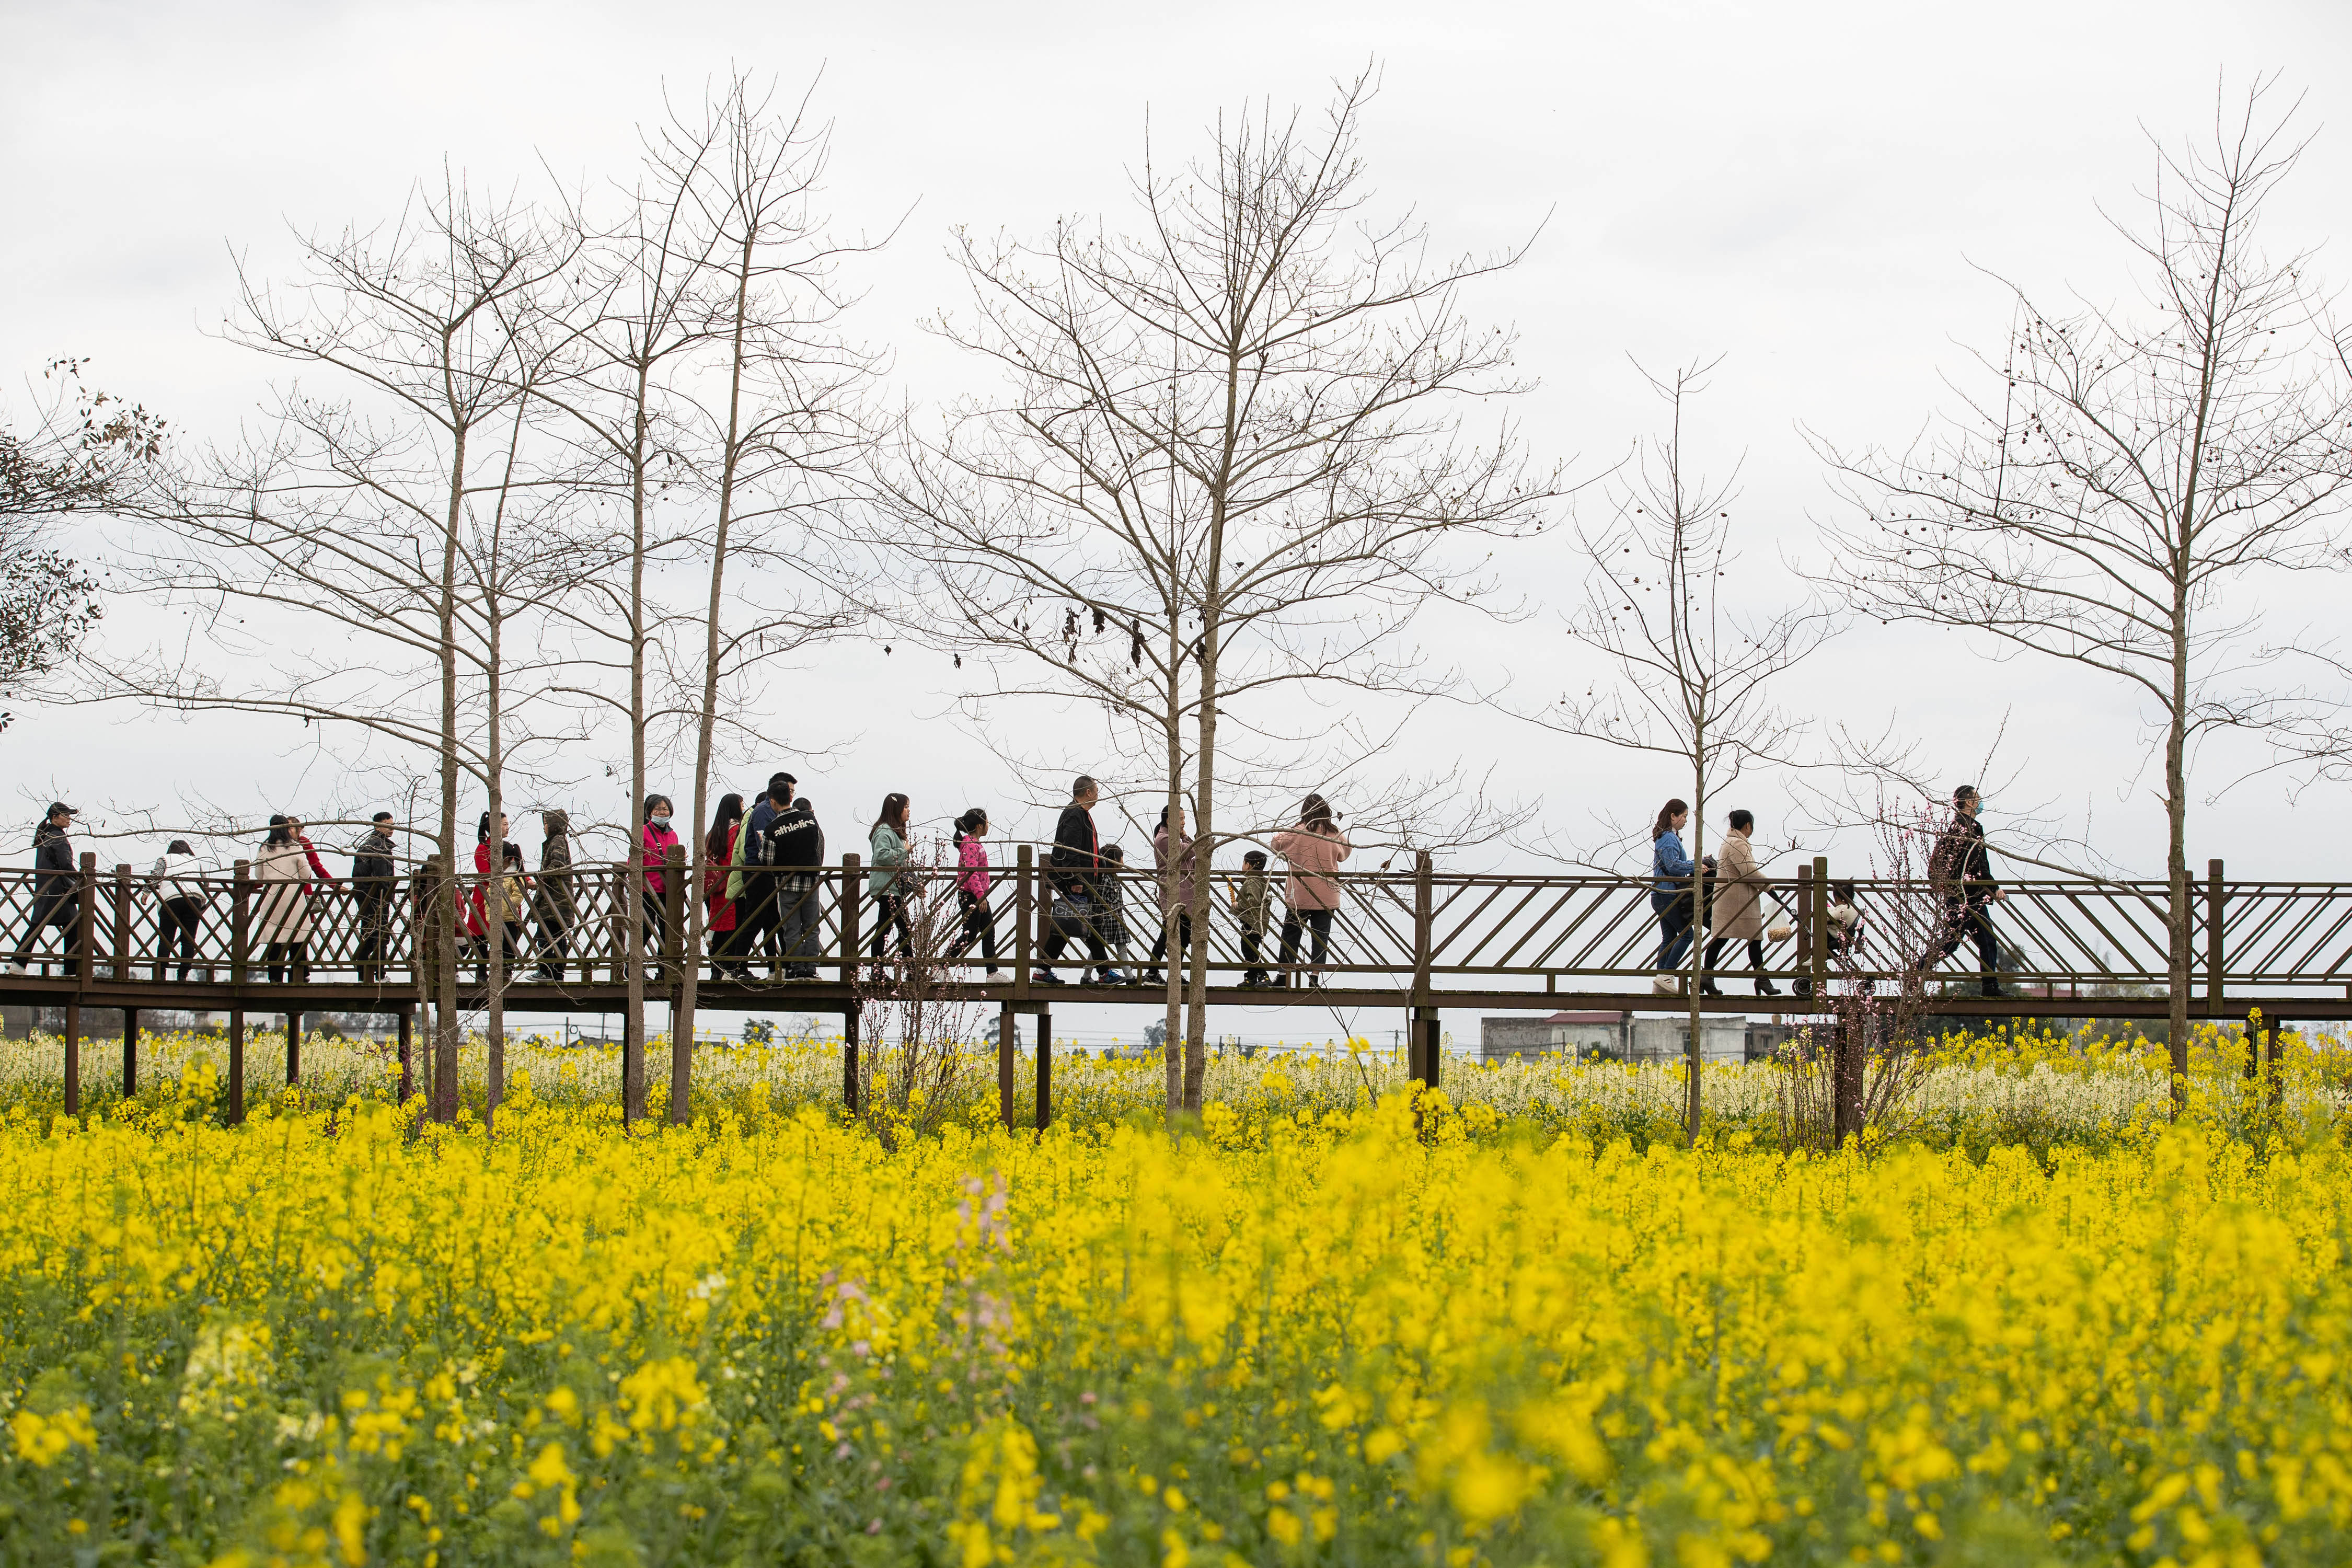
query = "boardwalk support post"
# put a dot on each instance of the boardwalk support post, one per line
(1044, 1071)
(849, 1056)
(1007, 1040)
(853, 899)
(407, 1053)
(235, 1064)
(2214, 945)
(1025, 923)
(241, 923)
(674, 917)
(130, 1052)
(73, 1059)
(126, 946)
(1820, 954)
(293, 1048)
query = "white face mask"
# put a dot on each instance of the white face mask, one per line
(660, 821)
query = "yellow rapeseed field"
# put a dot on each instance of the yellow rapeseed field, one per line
(1300, 1333)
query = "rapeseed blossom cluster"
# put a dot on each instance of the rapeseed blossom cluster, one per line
(1392, 1331)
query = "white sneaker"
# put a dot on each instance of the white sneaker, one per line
(1666, 984)
(12, 968)
(995, 976)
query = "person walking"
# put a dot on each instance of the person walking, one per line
(1961, 872)
(1070, 872)
(973, 889)
(751, 878)
(56, 900)
(1740, 887)
(1672, 892)
(886, 843)
(1253, 897)
(176, 883)
(718, 854)
(1110, 909)
(281, 919)
(656, 839)
(1176, 904)
(796, 851)
(374, 877)
(557, 903)
(1313, 850)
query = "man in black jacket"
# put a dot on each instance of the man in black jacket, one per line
(55, 899)
(795, 850)
(373, 877)
(1962, 873)
(1070, 873)
(756, 914)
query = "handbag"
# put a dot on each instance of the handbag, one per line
(1780, 932)
(1067, 917)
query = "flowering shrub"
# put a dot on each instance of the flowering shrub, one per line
(1316, 1333)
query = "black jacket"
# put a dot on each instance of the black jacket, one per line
(1960, 866)
(795, 843)
(52, 853)
(1077, 852)
(754, 846)
(372, 865)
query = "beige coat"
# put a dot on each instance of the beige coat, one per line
(1738, 891)
(282, 907)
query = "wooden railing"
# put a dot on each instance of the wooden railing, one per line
(1419, 934)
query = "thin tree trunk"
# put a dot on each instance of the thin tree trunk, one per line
(444, 914)
(2176, 865)
(1698, 852)
(633, 1027)
(681, 1045)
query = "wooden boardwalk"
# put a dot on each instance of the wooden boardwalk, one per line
(1417, 941)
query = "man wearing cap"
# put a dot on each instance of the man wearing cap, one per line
(55, 901)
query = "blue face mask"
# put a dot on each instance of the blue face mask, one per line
(660, 821)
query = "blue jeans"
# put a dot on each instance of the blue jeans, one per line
(1674, 911)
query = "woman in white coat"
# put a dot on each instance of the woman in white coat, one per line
(281, 913)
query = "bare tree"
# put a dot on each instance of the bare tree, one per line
(347, 514)
(1693, 672)
(2121, 472)
(778, 442)
(1229, 472)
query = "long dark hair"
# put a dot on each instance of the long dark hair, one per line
(894, 814)
(1315, 812)
(1666, 814)
(730, 812)
(279, 833)
(965, 824)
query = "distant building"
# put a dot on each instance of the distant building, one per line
(1722, 1038)
(1588, 1037)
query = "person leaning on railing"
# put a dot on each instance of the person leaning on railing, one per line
(1313, 849)
(56, 900)
(557, 910)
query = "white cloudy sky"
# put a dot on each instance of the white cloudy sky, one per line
(1804, 188)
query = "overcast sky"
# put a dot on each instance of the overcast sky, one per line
(1806, 189)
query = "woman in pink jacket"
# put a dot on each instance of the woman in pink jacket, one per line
(656, 838)
(1314, 849)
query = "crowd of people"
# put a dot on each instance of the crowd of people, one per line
(760, 871)
(760, 865)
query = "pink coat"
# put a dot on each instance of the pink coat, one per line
(1313, 855)
(657, 841)
(971, 860)
(1182, 896)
